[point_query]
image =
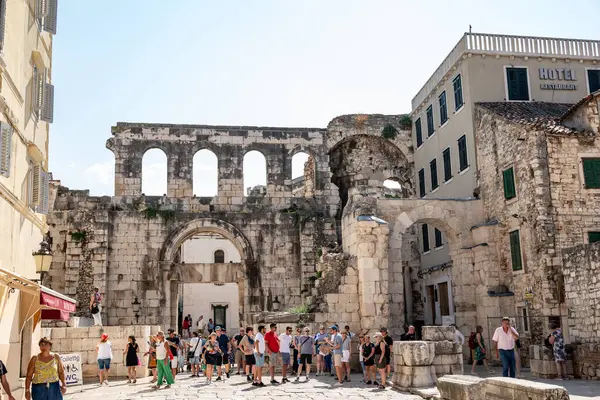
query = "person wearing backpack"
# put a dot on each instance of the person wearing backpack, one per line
(479, 348)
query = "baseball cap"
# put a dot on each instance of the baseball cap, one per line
(104, 336)
(333, 327)
(218, 328)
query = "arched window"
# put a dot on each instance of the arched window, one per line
(154, 173)
(298, 163)
(392, 188)
(205, 174)
(255, 174)
(219, 257)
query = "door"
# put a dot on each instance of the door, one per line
(432, 300)
(443, 298)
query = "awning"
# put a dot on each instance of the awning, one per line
(37, 301)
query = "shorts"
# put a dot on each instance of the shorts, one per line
(337, 360)
(346, 356)
(273, 360)
(103, 363)
(260, 360)
(305, 359)
(383, 364)
(174, 362)
(225, 358)
(195, 360)
(285, 358)
(370, 362)
(250, 360)
(213, 359)
(239, 356)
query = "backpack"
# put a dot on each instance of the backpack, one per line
(473, 340)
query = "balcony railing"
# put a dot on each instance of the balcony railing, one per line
(482, 43)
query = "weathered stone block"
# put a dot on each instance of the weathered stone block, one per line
(417, 353)
(447, 347)
(461, 387)
(515, 389)
(413, 377)
(438, 333)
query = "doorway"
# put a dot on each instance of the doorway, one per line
(220, 315)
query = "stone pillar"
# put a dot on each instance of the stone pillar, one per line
(180, 181)
(128, 175)
(309, 178)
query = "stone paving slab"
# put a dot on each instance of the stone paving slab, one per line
(320, 388)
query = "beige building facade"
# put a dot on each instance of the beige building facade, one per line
(26, 104)
(482, 68)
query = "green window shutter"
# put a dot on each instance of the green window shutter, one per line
(593, 237)
(515, 251)
(458, 97)
(438, 238)
(422, 182)
(516, 80)
(425, 231)
(591, 173)
(594, 79)
(447, 165)
(419, 132)
(509, 184)
(430, 125)
(433, 171)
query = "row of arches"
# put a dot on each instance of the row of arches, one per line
(205, 172)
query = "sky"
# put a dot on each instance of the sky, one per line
(282, 63)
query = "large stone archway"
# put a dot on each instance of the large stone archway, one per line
(176, 274)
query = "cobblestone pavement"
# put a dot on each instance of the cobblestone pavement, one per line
(321, 388)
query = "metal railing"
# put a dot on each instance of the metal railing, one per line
(491, 44)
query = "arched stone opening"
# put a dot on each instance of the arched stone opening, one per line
(176, 272)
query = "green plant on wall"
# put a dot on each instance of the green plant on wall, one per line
(301, 309)
(78, 236)
(405, 122)
(150, 212)
(389, 132)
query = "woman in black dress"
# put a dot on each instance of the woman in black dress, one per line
(131, 359)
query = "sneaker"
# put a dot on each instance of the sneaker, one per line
(368, 382)
(284, 380)
(218, 379)
(254, 383)
(380, 387)
(375, 383)
(297, 379)
(339, 384)
(228, 375)
(260, 384)
(106, 383)
(168, 387)
(307, 379)
(248, 378)
(274, 382)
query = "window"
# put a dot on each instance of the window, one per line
(422, 182)
(463, 160)
(6, 132)
(515, 250)
(593, 237)
(154, 173)
(509, 183)
(447, 165)
(593, 79)
(433, 171)
(219, 257)
(255, 174)
(525, 317)
(425, 231)
(418, 132)
(38, 182)
(42, 98)
(591, 173)
(46, 12)
(438, 238)
(443, 108)
(458, 97)
(517, 85)
(2, 22)
(430, 127)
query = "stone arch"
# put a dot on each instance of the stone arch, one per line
(191, 228)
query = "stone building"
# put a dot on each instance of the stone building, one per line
(539, 173)
(482, 68)
(26, 105)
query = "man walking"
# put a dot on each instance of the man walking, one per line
(336, 346)
(272, 342)
(504, 338)
(285, 341)
(240, 360)
(201, 325)
(173, 346)
(225, 347)
(390, 345)
(247, 346)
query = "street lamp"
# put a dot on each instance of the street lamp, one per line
(43, 259)
(276, 304)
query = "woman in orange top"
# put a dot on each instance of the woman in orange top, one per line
(44, 373)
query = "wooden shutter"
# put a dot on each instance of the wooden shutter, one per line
(516, 79)
(419, 132)
(422, 182)
(591, 173)
(447, 165)
(2, 22)
(35, 186)
(41, 8)
(511, 81)
(593, 237)
(425, 231)
(38, 92)
(522, 84)
(6, 132)
(515, 251)
(50, 18)
(433, 171)
(509, 183)
(594, 79)
(47, 111)
(458, 98)
(44, 192)
(462, 153)
(438, 238)
(443, 298)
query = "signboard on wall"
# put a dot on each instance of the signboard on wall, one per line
(73, 370)
(558, 74)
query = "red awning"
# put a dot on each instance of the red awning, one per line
(54, 305)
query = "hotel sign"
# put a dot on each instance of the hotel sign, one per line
(558, 74)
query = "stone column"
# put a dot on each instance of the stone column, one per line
(180, 168)
(128, 175)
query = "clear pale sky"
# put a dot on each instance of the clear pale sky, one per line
(259, 62)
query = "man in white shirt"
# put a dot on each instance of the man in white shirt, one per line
(504, 339)
(259, 355)
(195, 346)
(458, 336)
(201, 324)
(285, 339)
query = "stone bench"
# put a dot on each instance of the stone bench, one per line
(516, 389)
(461, 387)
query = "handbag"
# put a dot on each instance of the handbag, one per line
(94, 308)
(191, 353)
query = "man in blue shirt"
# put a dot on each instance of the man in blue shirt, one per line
(225, 347)
(336, 345)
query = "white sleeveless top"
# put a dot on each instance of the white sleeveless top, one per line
(161, 352)
(105, 350)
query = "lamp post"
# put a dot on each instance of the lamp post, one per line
(43, 259)
(276, 304)
(136, 308)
